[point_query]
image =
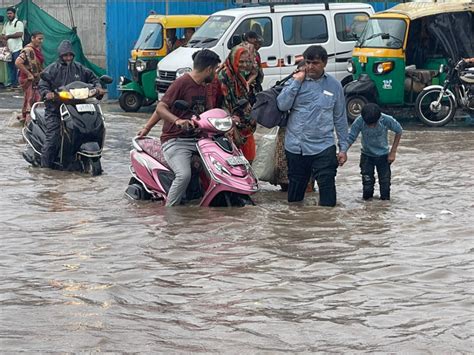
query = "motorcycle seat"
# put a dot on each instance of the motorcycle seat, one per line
(468, 76)
(152, 147)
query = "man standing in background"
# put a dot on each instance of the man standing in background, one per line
(13, 33)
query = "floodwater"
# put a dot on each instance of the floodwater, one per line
(85, 269)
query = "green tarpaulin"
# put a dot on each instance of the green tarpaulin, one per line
(54, 32)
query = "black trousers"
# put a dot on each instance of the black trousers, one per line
(53, 136)
(323, 166)
(367, 167)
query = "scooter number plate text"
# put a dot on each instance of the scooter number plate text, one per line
(85, 108)
(234, 161)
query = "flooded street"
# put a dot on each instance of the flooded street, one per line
(85, 269)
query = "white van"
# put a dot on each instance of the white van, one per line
(287, 31)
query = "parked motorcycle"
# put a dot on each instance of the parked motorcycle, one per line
(436, 105)
(221, 176)
(82, 129)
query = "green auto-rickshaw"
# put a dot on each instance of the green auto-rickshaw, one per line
(400, 51)
(159, 36)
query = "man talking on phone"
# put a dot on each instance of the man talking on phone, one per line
(317, 104)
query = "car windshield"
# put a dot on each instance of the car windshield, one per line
(383, 33)
(210, 32)
(151, 37)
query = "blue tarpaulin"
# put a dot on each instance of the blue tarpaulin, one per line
(125, 19)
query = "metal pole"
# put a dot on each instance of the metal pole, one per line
(167, 7)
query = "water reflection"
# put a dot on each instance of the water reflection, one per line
(85, 269)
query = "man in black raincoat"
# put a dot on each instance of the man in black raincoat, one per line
(62, 72)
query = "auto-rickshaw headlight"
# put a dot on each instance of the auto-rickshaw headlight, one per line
(350, 66)
(383, 67)
(140, 65)
(181, 71)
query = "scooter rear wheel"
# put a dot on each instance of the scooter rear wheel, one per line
(31, 157)
(136, 191)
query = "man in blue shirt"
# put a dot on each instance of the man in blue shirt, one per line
(375, 153)
(317, 105)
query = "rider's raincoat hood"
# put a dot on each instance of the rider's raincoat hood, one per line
(65, 47)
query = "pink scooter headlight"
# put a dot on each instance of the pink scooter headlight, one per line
(221, 124)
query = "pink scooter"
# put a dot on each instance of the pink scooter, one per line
(221, 176)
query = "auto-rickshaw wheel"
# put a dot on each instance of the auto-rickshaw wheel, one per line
(130, 101)
(354, 105)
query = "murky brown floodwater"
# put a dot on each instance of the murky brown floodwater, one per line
(84, 269)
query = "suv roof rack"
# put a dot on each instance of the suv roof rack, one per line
(245, 3)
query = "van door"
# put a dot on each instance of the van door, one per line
(348, 26)
(297, 31)
(264, 26)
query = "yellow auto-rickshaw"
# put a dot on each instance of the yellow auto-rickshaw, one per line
(400, 51)
(159, 36)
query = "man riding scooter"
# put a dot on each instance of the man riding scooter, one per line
(178, 140)
(62, 72)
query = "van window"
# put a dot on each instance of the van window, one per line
(211, 31)
(349, 26)
(304, 29)
(261, 25)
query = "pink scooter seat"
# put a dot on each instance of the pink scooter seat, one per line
(153, 148)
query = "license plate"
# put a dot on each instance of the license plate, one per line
(85, 108)
(363, 59)
(234, 161)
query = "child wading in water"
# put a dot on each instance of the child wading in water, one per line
(375, 152)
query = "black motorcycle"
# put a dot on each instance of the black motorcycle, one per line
(436, 105)
(82, 129)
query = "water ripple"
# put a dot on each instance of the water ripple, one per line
(84, 269)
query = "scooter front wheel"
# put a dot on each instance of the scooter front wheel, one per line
(231, 199)
(96, 167)
(92, 166)
(432, 113)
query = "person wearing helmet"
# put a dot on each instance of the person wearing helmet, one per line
(60, 73)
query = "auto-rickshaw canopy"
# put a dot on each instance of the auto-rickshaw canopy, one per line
(177, 21)
(448, 25)
(151, 40)
(415, 10)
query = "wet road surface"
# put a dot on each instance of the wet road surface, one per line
(85, 269)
